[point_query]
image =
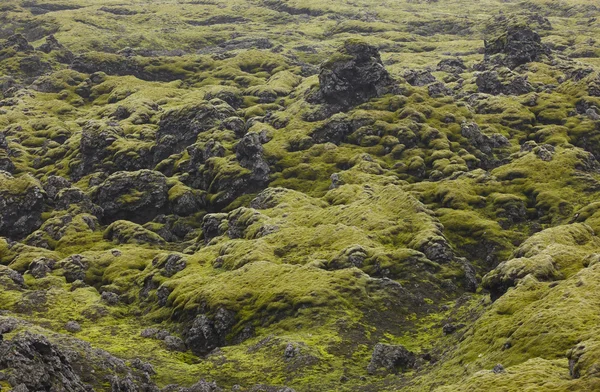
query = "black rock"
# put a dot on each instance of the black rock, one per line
(453, 66)
(498, 369)
(505, 82)
(39, 365)
(391, 358)
(354, 75)
(419, 77)
(18, 43)
(206, 334)
(136, 196)
(516, 44)
(179, 128)
(21, 205)
(40, 267)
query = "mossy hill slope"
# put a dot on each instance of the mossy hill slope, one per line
(297, 195)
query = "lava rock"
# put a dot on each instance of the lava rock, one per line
(170, 265)
(179, 128)
(391, 358)
(96, 139)
(18, 42)
(136, 196)
(453, 66)
(250, 155)
(52, 45)
(54, 184)
(206, 334)
(73, 326)
(21, 205)
(39, 365)
(419, 77)
(498, 369)
(514, 46)
(110, 298)
(173, 343)
(211, 226)
(502, 82)
(40, 267)
(354, 75)
(482, 141)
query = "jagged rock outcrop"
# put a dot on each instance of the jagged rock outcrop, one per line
(354, 75)
(502, 81)
(21, 205)
(5, 162)
(96, 138)
(34, 362)
(136, 196)
(250, 154)
(207, 333)
(391, 358)
(179, 128)
(18, 42)
(52, 45)
(516, 44)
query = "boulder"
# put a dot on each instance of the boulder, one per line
(39, 365)
(136, 196)
(502, 81)
(179, 128)
(514, 45)
(390, 358)
(206, 333)
(354, 75)
(21, 205)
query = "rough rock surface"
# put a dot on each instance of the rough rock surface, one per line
(21, 205)
(516, 45)
(136, 196)
(391, 358)
(206, 333)
(354, 75)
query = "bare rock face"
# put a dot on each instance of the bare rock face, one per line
(502, 81)
(39, 365)
(207, 333)
(179, 128)
(354, 75)
(516, 45)
(137, 196)
(390, 358)
(21, 205)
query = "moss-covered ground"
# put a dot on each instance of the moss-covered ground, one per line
(388, 222)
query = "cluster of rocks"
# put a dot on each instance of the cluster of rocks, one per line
(353, 76)
(517, 44)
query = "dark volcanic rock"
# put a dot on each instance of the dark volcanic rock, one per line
(482, 141)
(354, 75)
(419, 77)
(52, 45)
(206, 334)
(54, 184)
(18, 42)
(21, 205)
(391, 358)
(249, 153)
(516, 45)
(136, 196)
(40, 267)
(96, 138)
(497, 82)
(39, 365)
(455, 65)
(179, 128)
